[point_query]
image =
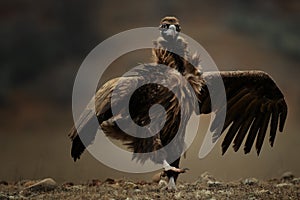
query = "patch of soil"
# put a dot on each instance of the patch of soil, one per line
(206, 187)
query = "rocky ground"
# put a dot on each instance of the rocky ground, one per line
(206, 187)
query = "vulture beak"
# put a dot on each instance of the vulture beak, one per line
(198, 72)
(171, 32)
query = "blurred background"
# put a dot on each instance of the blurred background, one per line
(43, 44)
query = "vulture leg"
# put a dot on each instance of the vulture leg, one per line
(172, 171)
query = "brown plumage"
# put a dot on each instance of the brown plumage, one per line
(253, 99)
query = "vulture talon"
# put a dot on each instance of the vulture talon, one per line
(176, 170)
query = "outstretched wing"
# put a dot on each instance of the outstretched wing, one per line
(253, 100)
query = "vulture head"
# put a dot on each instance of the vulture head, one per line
(169, 28)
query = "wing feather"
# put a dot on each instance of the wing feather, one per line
(253, 100)
(283, 114)
(274, 125)
(241, 134)
(230, 134)
(262, 132)
(252, 134)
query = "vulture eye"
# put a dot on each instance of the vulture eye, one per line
(164, 26)
(178, 28)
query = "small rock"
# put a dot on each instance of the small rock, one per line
(130, 185)
(142, 182)
(110, 181)
(263, 191)
(178, 195)
(148, 198)
(213, 183)
(250, 181)
(162, 183)
(78, 187)
(95, 182)
(205, 192)
(3, 183)
(68, 184)
(225, 192)
(26, 183)
(115, 193)
(296, 180)
(181, 187)
(207, 176)
(287, 176)
(29, 183)
(251, 198)
(284, 185)
(3, 197)
(204, 178)
(43, 185)
(137, 190)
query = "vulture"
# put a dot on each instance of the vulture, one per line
(254, 103)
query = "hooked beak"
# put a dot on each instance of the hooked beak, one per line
(171, 31)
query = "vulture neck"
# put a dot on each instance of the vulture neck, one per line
(172, 53)
(181, 60)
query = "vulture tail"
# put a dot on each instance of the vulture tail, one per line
(87, 130)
